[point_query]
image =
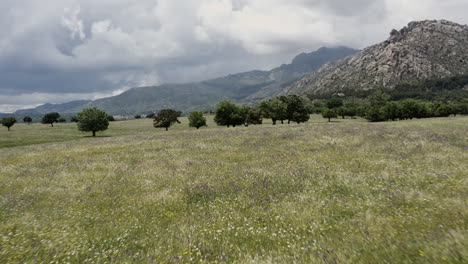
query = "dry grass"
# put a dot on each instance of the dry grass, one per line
(347, 192)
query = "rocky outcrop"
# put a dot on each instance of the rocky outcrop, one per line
(422, 50)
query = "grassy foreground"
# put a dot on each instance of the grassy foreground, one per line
(352, 192)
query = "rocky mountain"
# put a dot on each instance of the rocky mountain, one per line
(241, 87)
(422, 50)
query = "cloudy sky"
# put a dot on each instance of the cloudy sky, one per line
(53, 51)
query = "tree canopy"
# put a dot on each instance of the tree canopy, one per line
(27, 119)
(50, 118)
(166, 118)
(197, 120)
(228, 114)
(8, 122)
(92, 120)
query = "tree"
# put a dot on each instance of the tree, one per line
(196, 119)
(27, 119)
(274, 109)
(166, 118)
(391, 111)
(138, 117)
(92, 120)
(375, 114)
(150, 115)
(74, 119)
(50, 118)
(110, 118)
(251, 116)
(409, 109)
(341, 111)
(228, 114)
(8, 122)
(444, 110)
(329, 113)
(296, 110)
(378, 99)
(334, 103)
(62, 120)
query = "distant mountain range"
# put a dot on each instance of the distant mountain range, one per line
(242, 87)
(422, 50)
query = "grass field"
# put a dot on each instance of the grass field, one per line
(341, 192)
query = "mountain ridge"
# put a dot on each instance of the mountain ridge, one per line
(421, 50)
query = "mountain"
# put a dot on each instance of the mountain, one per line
(242, 87)
(422, 50)
(47, 108)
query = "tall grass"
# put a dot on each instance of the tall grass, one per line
(352, 192)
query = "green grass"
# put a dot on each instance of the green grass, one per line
(342, 192)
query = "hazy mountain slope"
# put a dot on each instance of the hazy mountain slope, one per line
(425, 49)
(47, 108)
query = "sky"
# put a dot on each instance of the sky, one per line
(54, 51)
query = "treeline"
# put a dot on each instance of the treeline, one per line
(292, 108)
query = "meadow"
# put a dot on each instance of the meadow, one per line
(348, 191)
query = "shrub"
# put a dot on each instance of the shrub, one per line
(197, 120)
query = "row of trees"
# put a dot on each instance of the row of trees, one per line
(290, 108)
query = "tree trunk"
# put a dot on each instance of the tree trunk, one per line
(198, 127)
(52, 124)
(274, 121)
(167, 128)
(282, 122)
(94, 133)
(8, 128)
(329, 119)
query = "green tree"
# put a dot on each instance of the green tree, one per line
(228, 114)
(409, 108)
(341, 111)
(274, 109)
(296, 110)
(196, 119)
(378, 99)
(92, 120)
(444, 110)
(329, 113)
(391, 111)
(74, 119)
(8, 122)
(50, 118)
(27, 119)
(334, 103)
(138, 117)
(251, 116)
(166, 118)
(375, 114)
(62, 120)
(110, 118)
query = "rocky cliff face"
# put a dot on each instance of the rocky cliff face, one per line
(425, 49)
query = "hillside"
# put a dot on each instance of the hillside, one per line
(422, 50)
(245, 87)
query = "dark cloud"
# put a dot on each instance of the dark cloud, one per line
(57, 50)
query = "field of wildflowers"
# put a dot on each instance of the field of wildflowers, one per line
(340, 192)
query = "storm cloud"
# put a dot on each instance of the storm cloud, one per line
(60, 50)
